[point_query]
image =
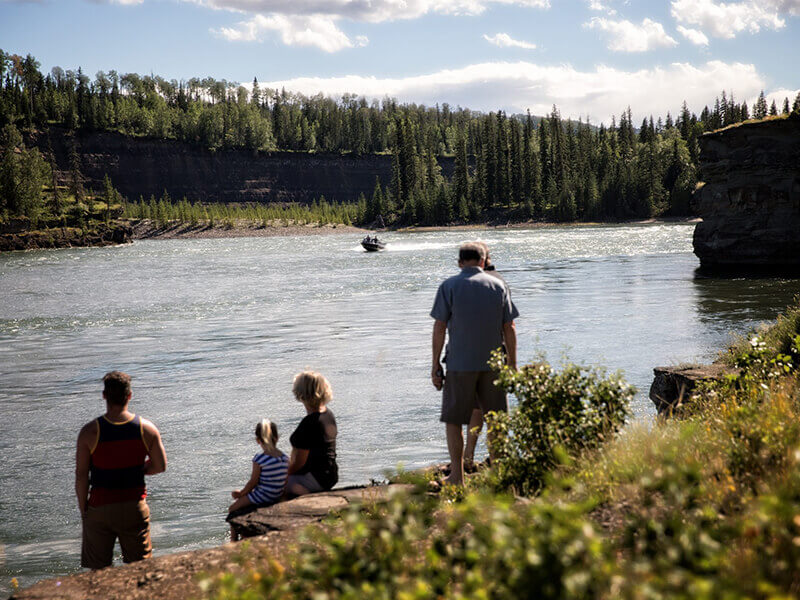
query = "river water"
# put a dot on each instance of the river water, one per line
(212, 332)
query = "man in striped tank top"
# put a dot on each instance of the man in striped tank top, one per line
(114, 454)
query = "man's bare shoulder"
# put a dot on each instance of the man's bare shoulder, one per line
(149, 426)
(88, 432)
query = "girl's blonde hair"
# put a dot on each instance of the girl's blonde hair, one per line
(312, 389)
(267, 434)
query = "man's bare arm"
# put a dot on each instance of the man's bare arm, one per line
(83, 460)
(510, 337)
(439, 332)
(157, 460)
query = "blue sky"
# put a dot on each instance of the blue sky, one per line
(590, 57)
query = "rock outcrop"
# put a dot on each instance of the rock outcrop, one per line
(749, 197)
(673, 386)
(141, 167)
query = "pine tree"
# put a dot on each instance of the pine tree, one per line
(760, 110)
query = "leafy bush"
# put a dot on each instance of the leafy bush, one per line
(483, 547)
(574, 409)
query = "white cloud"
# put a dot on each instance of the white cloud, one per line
(598, 6)
(313, 22)
(726, 20)
(695, 36)
(371, 11)
(506, 41)
(313, 30)
(777, 96)
(790, 7)
(625, 36)
(517, 86)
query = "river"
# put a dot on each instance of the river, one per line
(212, 332)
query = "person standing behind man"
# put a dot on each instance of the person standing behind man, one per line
(476, 311)
(114, 453)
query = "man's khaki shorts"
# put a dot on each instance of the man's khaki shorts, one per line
(102, 525)
(466, 390)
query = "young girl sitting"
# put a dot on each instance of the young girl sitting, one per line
(312, 467)
(268, 478)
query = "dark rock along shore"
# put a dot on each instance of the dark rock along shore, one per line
(750, 201)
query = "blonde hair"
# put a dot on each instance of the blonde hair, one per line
(267, 434)
(312, 389)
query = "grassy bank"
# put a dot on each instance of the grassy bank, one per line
(704, 505)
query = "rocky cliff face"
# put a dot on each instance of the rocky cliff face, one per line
(141, 167)
(750, 198)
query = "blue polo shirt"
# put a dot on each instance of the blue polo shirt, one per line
(475, 306)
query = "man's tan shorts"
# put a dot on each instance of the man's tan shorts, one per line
(466, 390)
(102, 525)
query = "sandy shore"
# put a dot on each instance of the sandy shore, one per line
(147, 230)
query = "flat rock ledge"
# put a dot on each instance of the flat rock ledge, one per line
(673, 386)
(174, 576)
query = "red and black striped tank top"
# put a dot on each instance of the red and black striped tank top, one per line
(116, 473)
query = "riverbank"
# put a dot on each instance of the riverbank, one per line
(148, 230)
(176, 576)
(67, 237)
(546, 225)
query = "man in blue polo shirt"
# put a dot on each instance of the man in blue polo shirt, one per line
(476, 311)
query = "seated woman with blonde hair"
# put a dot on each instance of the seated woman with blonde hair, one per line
(312, 465)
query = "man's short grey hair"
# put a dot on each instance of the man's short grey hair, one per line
(471, 251)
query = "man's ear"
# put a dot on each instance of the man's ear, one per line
(482, 263)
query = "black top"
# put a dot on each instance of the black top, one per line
(317, 434)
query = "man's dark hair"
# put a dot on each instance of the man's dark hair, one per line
(117, 387)
(471, 251)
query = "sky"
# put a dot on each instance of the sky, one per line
(591, 58)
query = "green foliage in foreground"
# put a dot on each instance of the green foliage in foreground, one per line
(704, 506)
(483, 547)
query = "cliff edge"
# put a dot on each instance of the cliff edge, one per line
(749, 197)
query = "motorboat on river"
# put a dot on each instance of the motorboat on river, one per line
(371, 243)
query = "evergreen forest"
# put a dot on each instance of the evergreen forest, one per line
(508, 167)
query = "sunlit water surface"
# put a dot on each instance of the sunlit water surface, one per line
(213, 331)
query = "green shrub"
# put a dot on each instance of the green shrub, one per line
(413, 548)
(574, 409)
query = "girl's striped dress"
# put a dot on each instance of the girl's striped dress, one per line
(272, 479)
